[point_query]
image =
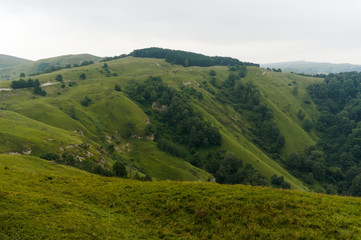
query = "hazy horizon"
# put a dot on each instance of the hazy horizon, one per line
(267, 63)
(256, 31)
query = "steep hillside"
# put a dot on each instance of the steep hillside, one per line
(105, 122)
(44, 65)
(10, 61)
(40, 200)
(286, 94)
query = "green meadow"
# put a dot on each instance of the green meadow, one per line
(42, 200)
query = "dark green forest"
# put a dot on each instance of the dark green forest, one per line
(174, 115)
(335, 160)
(187, 59)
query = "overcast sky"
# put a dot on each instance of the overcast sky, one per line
(261, 31)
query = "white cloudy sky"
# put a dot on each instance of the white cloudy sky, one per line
(260, 31)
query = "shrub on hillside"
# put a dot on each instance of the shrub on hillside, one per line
(86, 101)
(50, 156)
(59, 78)
(119, 169)
(82, 76)
(280, 182)
(117, 88)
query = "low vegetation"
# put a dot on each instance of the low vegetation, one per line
(40, 200)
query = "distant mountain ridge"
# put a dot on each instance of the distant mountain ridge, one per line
(313, 67)
(10, 61)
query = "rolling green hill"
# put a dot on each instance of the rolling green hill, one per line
(40, 200)
(10, 61)
(105, 122)
(31, 67)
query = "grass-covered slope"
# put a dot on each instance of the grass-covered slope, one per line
(20, 134)
(10, 61)
(286, 94)
(107, 118)
(39, 200)
(112, 110)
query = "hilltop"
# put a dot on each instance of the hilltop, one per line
(10, 61)
(313, 67)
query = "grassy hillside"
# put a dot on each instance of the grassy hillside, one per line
(20, 134)
(10, 61)
(278, 89)
(109, 114)
(111, 111)
(30, 67)
(40, 200)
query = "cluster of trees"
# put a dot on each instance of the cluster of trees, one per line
(82, 76)
(84, 63)
(105, 68)
(318, 75)
(312, 162)
(174, 115)
(106, 59)
(118, 169)
(59, 78)
(30, 83)
(46, 67)
(38, 90)
(280, 182)
(275, 69)
(23, 84)
(187, 58)
(117, 88)
(335, 160)
(227, 168)
(86, 101)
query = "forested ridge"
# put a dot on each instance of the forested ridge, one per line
(187, 58)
